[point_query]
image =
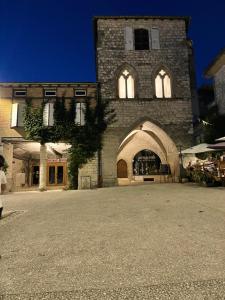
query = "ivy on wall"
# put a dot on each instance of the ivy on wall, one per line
(85, 140)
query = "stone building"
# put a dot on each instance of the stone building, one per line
(145, 70)
(217, 70)
(22, 156)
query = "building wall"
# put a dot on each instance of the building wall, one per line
(35, 91)
(219, 81)
(173, 115)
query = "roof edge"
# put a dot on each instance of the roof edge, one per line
(208, 71)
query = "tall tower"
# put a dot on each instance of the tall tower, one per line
(143, 68)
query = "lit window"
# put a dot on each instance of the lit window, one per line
(126, 85)
(163, 85)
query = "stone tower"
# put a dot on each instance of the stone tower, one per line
(144, 70)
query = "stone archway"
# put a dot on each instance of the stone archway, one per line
(149, 136)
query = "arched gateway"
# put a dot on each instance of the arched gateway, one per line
(149, 153)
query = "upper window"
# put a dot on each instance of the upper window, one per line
(80, 93)
(126, 85)
(20, 93)
(141, 39)
(163, 85)
(50, 93)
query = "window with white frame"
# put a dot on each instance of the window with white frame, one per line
(19, 93)
(80, 113)
(80, 93)
(126, 85)
(163, 85)
(50, 93)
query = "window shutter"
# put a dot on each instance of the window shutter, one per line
(17, 114)
(155, 38)
(14, 114)
(80, 113)
(48, 114)
(51, 114)
(129, 39)
(82, 119)
(20, 115)
(77, 117)
(150, 38)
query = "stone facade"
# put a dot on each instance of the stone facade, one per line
(219, 87)
(216, 70)
(173, 115)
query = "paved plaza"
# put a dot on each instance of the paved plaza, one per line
(154, 241)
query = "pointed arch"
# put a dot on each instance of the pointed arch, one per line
(126, 82)
(162, 79)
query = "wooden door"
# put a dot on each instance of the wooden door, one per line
(56, 174)
(122, 169)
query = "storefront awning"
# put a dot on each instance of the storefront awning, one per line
(201, 148)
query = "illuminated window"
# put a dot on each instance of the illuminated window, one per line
(126, 85)
(163, 85)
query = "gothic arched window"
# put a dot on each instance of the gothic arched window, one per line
(163, 85)
(126, 85)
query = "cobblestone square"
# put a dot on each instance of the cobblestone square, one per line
(153, 241)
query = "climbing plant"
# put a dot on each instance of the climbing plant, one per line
(85, 140)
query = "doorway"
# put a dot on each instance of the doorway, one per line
(56, 174)
(35, 175)
(122, 169)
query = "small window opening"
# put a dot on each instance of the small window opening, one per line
(141, 39)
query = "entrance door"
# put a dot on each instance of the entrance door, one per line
(122, 169)
(56, 174)
(35, 175)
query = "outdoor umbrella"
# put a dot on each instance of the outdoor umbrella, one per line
(218, 146)
(201, 148)
(222, 139)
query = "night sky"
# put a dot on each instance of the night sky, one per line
(52, 40)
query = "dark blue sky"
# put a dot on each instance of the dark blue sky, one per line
(52, 40)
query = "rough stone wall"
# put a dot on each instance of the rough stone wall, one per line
(219, 82)
(174, 115)
(88, 175)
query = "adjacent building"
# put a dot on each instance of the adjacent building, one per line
(23, 156)
(216, 70)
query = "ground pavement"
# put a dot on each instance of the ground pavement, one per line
(155, 241)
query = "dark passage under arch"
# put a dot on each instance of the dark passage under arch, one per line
(146, 162)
